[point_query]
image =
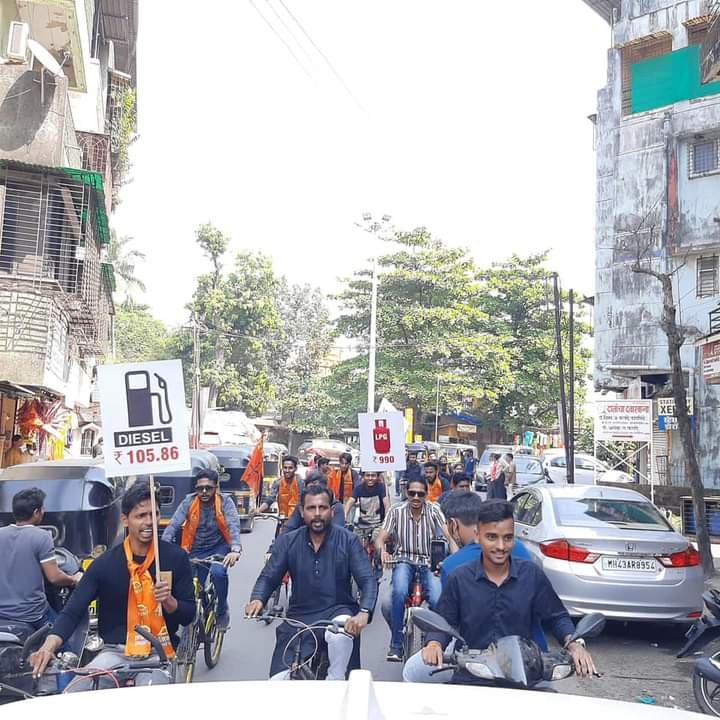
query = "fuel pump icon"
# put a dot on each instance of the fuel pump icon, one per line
(139, 396)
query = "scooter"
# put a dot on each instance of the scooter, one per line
(512, 661)
(706, 674)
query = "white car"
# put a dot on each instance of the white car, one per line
(587, 469)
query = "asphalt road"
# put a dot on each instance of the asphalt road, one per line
(637, 659)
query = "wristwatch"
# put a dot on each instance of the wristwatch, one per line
(236, 549)
(579, 641)
(364, 610)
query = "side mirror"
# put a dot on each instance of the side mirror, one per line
(429, 621)
(589, 626)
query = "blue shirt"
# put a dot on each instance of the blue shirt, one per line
(321, 587)
(295, 521)
(412, 472)
(469, 464)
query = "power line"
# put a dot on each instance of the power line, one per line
(323, 56)
(281, 39)
(289, 30)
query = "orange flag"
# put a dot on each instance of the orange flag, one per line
(255, 471)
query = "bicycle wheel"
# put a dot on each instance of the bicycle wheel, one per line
(184, 668)
(212, 636)
(707, 695)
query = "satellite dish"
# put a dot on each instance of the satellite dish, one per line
(45, 58)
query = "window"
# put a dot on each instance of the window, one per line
(558, 461)
(704, 157)
(637, 51)
(707, 276)
(531, 511)
(518, 503)
(603, 513)
(166, 495)
(88, 440)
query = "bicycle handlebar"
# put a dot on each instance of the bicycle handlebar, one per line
(153, 640)
(270, 516)
(334, 626)
(207, 560)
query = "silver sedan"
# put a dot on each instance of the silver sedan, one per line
(610, 550)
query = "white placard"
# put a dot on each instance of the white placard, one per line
(144, 418)
(382, 441)
(623, 420)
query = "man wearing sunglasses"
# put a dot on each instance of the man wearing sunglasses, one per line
(413, 525)
(210, 526)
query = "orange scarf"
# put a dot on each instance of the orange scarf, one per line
(288, 496)
(342, 486)
(193, 520)
(143, 609)
(435, 490)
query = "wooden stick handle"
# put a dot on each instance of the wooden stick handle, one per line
(156, 539)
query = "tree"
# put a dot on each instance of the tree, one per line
(430, 324)
(643, 241)
(139, 336)
(123, 259)
(514, 294)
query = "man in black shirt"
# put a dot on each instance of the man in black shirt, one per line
(497, 596)
(108, 581)
(372, 500)
(321, 559)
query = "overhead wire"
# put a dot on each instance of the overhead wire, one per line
(289, 30)
(281, 39)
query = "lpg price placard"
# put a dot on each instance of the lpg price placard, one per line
(382, 441)
(144, 418)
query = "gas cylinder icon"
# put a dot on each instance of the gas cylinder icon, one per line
(381, 437)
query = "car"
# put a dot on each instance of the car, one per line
(482, 467)
(610, 550)
(529, 470)
(587, 468)
(325, 447)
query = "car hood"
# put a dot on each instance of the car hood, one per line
(356, 699)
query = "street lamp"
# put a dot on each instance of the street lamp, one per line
(375, 228)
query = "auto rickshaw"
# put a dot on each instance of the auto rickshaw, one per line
(233, 461)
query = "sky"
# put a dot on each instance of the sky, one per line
(469, 117)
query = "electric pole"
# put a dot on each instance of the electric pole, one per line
(571, 386)
(561, 375)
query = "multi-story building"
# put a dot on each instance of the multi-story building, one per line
(658, 202)
(67, 96)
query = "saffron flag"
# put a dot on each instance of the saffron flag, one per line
(255, 470)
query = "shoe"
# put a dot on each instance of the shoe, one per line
(394, 654)
(223, 621)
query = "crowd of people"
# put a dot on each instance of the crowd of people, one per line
(487, 586)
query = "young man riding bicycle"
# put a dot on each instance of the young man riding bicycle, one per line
(210, 525)
(373, 504)
(285, 491)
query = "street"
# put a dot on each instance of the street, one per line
(635, 659)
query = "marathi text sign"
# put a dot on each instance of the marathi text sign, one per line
(623, 420)
(711, 363)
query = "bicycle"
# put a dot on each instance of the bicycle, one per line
(316, 665)
(203, 629)
(275, 603)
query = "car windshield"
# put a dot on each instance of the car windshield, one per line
(604, 512)
(528, 465)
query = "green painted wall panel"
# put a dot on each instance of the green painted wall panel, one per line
(669, 79)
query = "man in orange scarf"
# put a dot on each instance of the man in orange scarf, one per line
(285, 491)
(436, 485)
(122, 580)
(210, 525)
(343, 480)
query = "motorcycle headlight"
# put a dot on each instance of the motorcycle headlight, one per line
(94, 643)
(480, 670)
(560, 672)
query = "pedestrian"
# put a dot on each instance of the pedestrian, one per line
(496, 487)
(15, 455)
(469, 463)
(510, 471)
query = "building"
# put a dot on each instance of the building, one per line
(658, 199)
(67, 108)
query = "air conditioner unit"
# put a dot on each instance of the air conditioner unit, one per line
(17, 41)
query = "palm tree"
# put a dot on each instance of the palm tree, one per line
(123, 260)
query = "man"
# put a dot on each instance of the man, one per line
(444, 470)
(412, 471)
(210, 525)
(436, 486)
(371, 497)
(344, 479)
(27, 555)
(321, 559)
(495, 596)
(285, 491)
(469, 463)
(510, 470)
(458, 469)
(295, 521)
(15, 455)
(323, 467)
(413, 524)
(458, 483)
(123, 582)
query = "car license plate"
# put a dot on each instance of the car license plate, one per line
(629, 564)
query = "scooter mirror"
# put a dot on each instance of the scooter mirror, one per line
(589, 626)
(429, 621)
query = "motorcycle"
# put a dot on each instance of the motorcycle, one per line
(512, 661)
(706, 673)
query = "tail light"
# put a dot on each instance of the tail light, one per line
(563, 550)
(689, 557)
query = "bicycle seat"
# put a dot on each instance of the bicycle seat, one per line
(15, 632)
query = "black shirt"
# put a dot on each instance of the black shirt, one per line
(108, 580)
(372, 504)
(295, 521)
(482, 612)
(321, 587)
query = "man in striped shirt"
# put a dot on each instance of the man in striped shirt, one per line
(413, 525)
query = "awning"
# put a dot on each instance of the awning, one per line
(467, 419)
(12, 389)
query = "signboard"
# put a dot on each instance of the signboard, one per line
(467, 429)
(382, 441)
(144, 418)
(670, 422)
(666, 407)
(623, 420)
(711, 363)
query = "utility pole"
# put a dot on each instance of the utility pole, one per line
(373, 340)
(196, 384)
(561, 375)
(437, 408)
(571, 386)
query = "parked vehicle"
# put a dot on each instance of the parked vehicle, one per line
(233, 460)
(587, 468)
(454, 451)
(529, 470)
(610, 550)
(706, 673)
(325, 447)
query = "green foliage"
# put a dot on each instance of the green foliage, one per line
(123, 259)
(123, 133)
(139, 336)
